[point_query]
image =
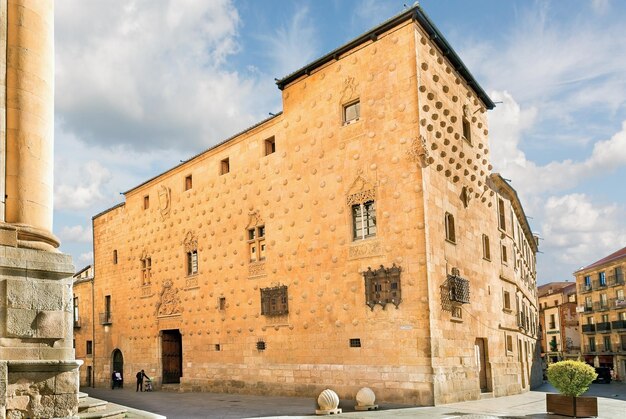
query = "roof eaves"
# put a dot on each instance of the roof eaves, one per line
(121, 204)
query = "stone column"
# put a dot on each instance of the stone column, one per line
(38, 372)
(30, 122)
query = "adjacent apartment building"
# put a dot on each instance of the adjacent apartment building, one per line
(560, 333)
(357, 238)
(84, 323)
(601, 289)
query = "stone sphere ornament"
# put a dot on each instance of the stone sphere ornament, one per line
(365, 399)
(328, 401)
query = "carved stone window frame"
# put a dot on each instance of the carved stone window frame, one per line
(361, 193)
(190, 245)
(146, 269)
(383, 286)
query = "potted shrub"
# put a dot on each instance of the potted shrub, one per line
(571, 379)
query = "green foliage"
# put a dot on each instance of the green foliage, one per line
(571, 378)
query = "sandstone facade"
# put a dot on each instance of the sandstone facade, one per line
(356, 239)
(602, 308)
(560, 328)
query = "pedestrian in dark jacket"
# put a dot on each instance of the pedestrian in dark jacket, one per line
(140, 376)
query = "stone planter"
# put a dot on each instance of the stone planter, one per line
(572, 406)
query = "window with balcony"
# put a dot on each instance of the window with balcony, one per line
(587, 282)
(604, 302)
(607, 344)
(602, 279)
(592, 344)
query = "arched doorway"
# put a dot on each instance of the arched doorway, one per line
(118, 362)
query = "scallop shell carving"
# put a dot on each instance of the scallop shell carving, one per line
(365, 397)
(328, 400)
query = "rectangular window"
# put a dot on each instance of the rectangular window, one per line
(507, 300)
(222, 303)
(619, 294)
(552, 322)
(501, 216)
(256, 243)
(192, 262)
(224, 166)
(509, 343)
(505, 257)
(603, 301)
(467, 131)
(270, 146)
(89, 348)
(602, 279)
(107, 310)
(218, 347)
(188, 182)
(607, 343)
(605, 318)
(364, 220)
(486, 249)
(146, 202)
(115, 257)
(76, 318)
(590, 320)
(146, 268)
(355, 343)
(592, 344)
(450, 230)
(351, 112)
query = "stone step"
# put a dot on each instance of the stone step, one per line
(82, 395)
(484, 396)
(110, 411)
(89, 404)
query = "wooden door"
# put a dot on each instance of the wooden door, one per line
(172, 356)
(481, 362)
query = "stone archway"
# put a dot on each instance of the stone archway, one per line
(117, 362)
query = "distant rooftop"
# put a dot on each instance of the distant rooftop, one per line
(555, 287)
(613, 256)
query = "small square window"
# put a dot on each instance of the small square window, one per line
(355, 343)
(457, 312)
(218, 347)
(146, 202)
(188, 182)
(260, 345)
(351, 112)
(224, 166)
(270, 146)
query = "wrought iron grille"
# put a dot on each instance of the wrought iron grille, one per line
(274, 301)
(383, 286)
(458, 289)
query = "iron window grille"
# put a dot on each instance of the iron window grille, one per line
(274, 301)
(260, 345)
(355, 343)
(458, 288)
(383, 286)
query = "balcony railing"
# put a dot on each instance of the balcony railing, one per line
(588, 308)
(614, 280)
(618, 324)
(597, 284)
(585, 288)
(590, 349)
(603, 327)
(589, 328)
(599, 306)
(619, 303)
(604, 348)
(106, 318)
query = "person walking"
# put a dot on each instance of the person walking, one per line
(140, 377)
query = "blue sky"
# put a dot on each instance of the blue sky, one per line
(144, 84)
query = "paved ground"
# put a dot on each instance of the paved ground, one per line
(611, 405)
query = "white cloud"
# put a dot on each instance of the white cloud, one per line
(508, 122)
(86, 258)
(152, 75)
(601, 6)
(82, 187)
(76, 233)
(578, 231)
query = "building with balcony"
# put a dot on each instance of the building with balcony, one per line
(601, 290)
(560, 333)
(84, 323)
(357, 238)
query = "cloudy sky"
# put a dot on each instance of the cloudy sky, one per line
(143, 84)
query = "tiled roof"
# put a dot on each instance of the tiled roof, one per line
(613, 256)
